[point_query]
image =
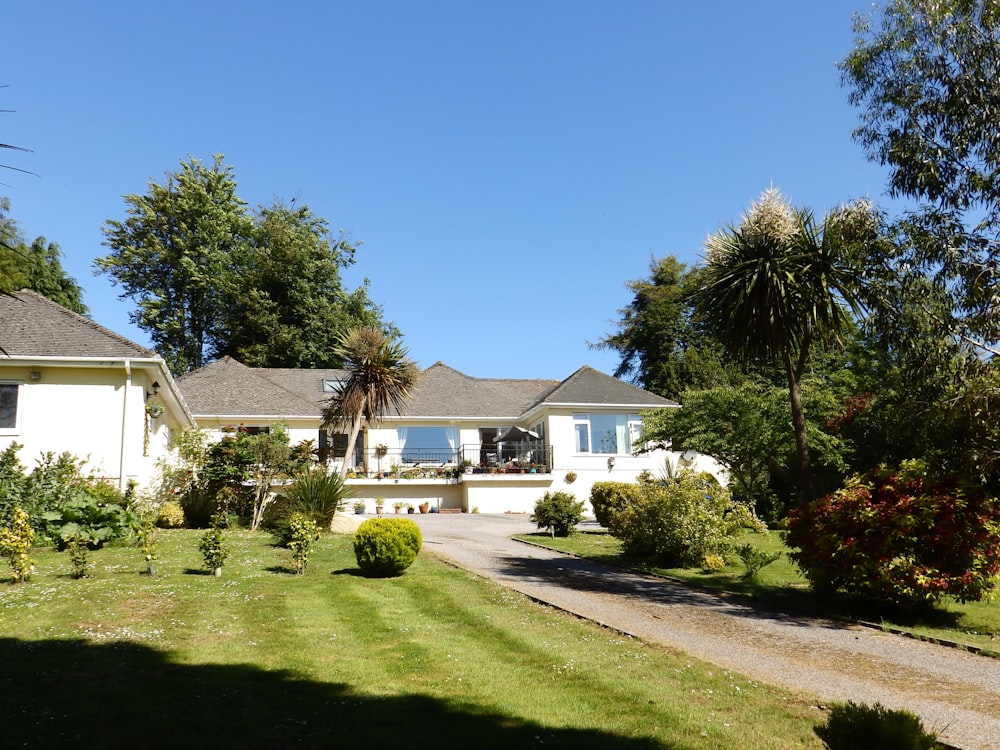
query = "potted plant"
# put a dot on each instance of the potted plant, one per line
(359, 507)
(379, 505)
(380, 450)
(409, 508)
(398, 506)
(424, 506)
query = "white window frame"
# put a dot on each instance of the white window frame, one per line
(18, 406)
(632, 431)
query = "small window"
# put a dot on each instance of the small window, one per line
(332, 385)
(10, 400)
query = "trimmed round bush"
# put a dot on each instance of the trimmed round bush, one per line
(558, 511)
(853, 725)
(901, 537)
(171, 515)
(385, 547)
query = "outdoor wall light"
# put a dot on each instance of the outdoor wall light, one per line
(611, 462)
(156, 389)
(36, 375)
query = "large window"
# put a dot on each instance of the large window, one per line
(614, 434)
(9, 398)
(432, 444)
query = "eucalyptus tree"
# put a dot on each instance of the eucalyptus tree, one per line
(779, 282)
(925, 76)
(380, 377)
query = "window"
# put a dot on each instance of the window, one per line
(332, 385)
(9, 401)
(332, 446)
(437, 444)
(606, 433)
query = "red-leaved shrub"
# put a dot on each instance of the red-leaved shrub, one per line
(900, 537)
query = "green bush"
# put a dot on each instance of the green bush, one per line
(852, 726)
(608, 498)
(680, 523)
(316, 493)
(170, 516)
(558, 511)
(900, 537)
(79, 513)
(385, 547)
(303, 531)
(16, 539)
(212, 545)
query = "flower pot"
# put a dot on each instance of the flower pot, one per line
(424, 507)
(218, 572)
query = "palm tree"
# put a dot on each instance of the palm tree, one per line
(778, 283)
(380, 378)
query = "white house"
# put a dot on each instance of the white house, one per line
(68, 384)
(461, 443)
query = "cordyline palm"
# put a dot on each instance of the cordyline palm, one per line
(776, 284)
(380, 378)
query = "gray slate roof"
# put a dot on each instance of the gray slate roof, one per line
(34, 326)
(228, 388)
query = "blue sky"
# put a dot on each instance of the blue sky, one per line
(508, 165)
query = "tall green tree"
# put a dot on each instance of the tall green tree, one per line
(170, 253)
(381, 377)
(662, 347)
(37, 266)
(775, 285)
(925, 75)
(288, 304)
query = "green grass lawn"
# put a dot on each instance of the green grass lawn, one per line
(261, 658)
(974, 624)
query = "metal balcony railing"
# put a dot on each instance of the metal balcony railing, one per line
(505, 458)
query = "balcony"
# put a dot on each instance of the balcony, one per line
(475, 459)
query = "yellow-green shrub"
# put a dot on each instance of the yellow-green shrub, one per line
(385, 547)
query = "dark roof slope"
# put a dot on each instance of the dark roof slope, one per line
(445, 392)
(229, 388)
(33, 326)
(590, 386)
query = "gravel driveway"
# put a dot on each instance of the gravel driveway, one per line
(955, 692)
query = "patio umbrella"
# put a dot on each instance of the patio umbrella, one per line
(516, 435)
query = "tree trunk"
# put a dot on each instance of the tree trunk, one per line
(352, 438)
(806, 490)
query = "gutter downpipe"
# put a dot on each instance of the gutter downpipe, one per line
(121, 454)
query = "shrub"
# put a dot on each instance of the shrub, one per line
(680, 523)
(558, 511)
(608, 498)
(15, 543)
(852, 726)
(755, 559)
(78, 545)
(900, 537)
(303, 531)
(212, 545)
(170, 516)
(385, 547)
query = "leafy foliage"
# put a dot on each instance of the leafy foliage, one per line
(608, 498)
(901, 537)
(212, 545)
(386, 547)
(303, 531)
(78, 546)
(558, 511)
(680, 523)
(662, 347)
(170, 515)
(755, 559)
(851, 725)
(35, 266)
(15, 544)
(211, 279)
(317, 494)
